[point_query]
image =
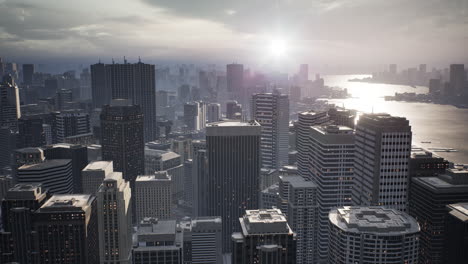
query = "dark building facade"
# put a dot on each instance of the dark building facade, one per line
(122, 138)
(102, 93)
(429, 197)
(456, 233)
(424, 164)
(233, 150)
(28, 72)
(67, 230)
(30, 132)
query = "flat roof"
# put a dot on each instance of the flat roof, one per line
(63, 201)
(298, 182)
(232, 123)
(98, 165)
(373, 219)
(47, 164)
(459, 210)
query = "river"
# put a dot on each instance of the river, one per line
(443, 126)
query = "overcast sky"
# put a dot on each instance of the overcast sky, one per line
(345, 32)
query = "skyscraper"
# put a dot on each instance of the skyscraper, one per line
(271, 111)
(298, 201)
(429, 197)
(305, 121)
(206, 240)
(372, 235)
(458, 79)
(30, 132)
(122, 138)
(195, 115)
(114, 220)
(456, 233)
(233, 110)
(303, 73)
(93, 175)
(67, 230)
(153, 196)
(233, 150)
(28, 71)
(10, 110)
(383, 149)
(101, 92)
(213, 112)
(235, 80)
(331, 161)
(71, 123)
(135, 82)
(265, 238)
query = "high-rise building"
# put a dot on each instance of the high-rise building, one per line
(271, 111)
(18, 239)
(93, 175)
(424, 163)
(295, 94)
(265, 238)
(393, 69)
(6, 182)
(183, 147)
(55, 175)
(200, 179)
(235, 80)
(372, 235)
(429, 197)
(153, 196)
(298, 201)
(67, 230)
(233, 150)
(78, 155)
(303, 73)
(63, 99)
(213, 112)
(102, 93)
(305, 121)
(456, 233)
(30, 132)
(28, 72)
(195, 115)
(114, 220)
(158, 242)
(233, 110)
(206, 240)
(10, 110)
(458, 79)
(342, 117)
(8, 143)
(135, 82)
(71, 123)
(122, 138)
(383, 149)
(331, 161)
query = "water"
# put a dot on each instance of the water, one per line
(443, 125)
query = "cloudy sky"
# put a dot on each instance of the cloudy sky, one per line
(345, 32)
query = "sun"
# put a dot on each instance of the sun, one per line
(278, 47)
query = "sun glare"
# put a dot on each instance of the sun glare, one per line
(278, 47)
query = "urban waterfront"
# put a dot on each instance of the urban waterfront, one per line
(444, 126)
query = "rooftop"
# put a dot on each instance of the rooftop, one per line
(232, 123)
(47, 164)
(459, 211)
(454, 180)
(264, 221)
(298, 182)
(26, 191)
(61, 202)
(98, 165)
(374, 219)
(146, 178)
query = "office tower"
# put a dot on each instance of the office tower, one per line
(93, 175)
(305, 121)
(184, 93)
(268, 177)
(271, 111)
(295, 94)
(435, 86)
(50, 88)
(233, 110)
(114, 220)
(8, 143)
(303, 73)
(265, 238)
(424, 163)
(372, 235)
(71, 123)
(158, 242)
(183, 147)
(195, 115)
(342, 117)
(55, 175)
(383, 148)
(269, 197)
(6, 182)
(122, 138)
(458, 79)
(429, 197)
(162, 100)
(331, 161)
(135, 82)
(28, 72)
(213, 112)
(235, 80)
(28, 156)
(30, 132)
(188, 184)
(78, 155)
(153, 194)
(206, 234)
(10, 109)
(18, 238)
(200, 179)
(102, 93)
(298, 201)
(67, 229)
(160, 160)
(233, 150)
(456, 233)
